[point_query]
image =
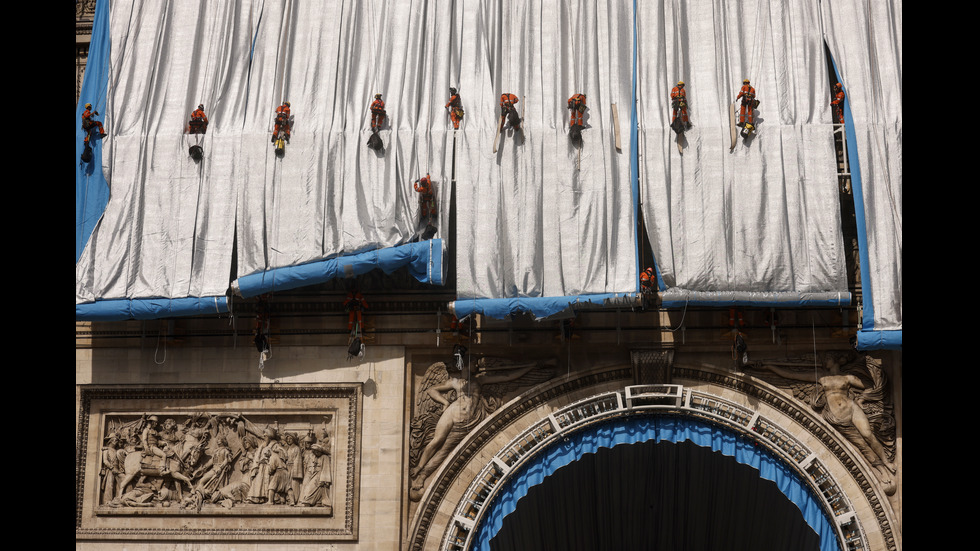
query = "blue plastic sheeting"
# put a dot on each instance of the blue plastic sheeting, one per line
(423, 259)
(678, 298)
(541, 307)
(867, 321)
(150, 308)
(635, 167)
(91, 188)
(879, 340)
(868, 337)
(638, 429)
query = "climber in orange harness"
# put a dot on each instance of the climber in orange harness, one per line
(508, 111)
(746, 114)
(740, 348)
(678, 102)
(89, 124)
(378, 113)
(455, 107)
(576, 121)
(199, 121)
(646, 280)
(282, 121)
(427, 199)
(577, 105)
(260, 334)
(838, 103)
(355, 306)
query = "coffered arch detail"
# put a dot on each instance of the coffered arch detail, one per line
(453, 506)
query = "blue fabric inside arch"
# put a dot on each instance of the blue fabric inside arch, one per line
(635, 429)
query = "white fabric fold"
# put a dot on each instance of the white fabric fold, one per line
(765, 217)
(865, 38)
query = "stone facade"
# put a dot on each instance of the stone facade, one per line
(399, 466)
(195, 370)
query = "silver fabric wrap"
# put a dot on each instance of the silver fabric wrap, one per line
(765, 217)
(529, 222)
(865, 38)
(170, 226)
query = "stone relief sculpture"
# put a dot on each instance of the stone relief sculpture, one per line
(113, 460)
(849, 392)
(452, 401)
(214, 460)
(316, 486)
(294, 466)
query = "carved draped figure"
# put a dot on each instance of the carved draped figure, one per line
(316, 487)
(112, 469)
(294, 460)
(269, 472)
(219, 473)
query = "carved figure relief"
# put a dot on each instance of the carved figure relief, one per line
(849, 392)
(203, 460)
(450, 402)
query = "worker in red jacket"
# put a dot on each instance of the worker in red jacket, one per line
(646, 280)
(507, 102)
(838, 103)
(427, 199)
(577, 105)
(199, 121)
(355, 305)
(378, 113)
(508, 110)
(678, 101)
(282, 121)
(455, 107)
(89, 124)
(747, 112)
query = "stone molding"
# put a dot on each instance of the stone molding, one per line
(830, 440)
(457, 467)
(515, 409)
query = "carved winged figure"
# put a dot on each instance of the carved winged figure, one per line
(450, 405)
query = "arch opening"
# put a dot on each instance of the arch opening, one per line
(709, 488)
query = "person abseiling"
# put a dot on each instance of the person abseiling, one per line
(746, 114)
(838, 103)
(199, 121)
(427, 199)
(378, 113)
(508, 110)
(577, 105)
(678, 102)
(89, 124)
(282, 121)
(455, 107)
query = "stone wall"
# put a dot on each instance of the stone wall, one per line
(393, 493)
(379, 378)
